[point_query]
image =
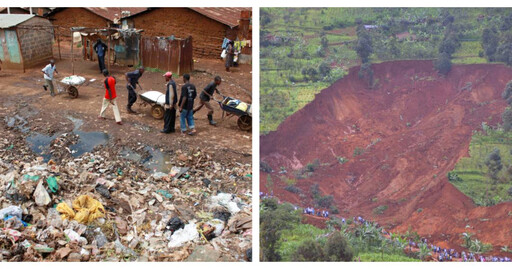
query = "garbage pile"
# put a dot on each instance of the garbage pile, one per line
(101, 207)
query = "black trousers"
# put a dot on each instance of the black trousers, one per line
(169, 120)
(132, 96)
(101, 62)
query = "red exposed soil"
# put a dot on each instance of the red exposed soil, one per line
(420, 124)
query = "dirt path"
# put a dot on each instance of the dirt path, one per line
(23, 94)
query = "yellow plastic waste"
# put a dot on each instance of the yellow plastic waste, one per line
(242, 106)
(86, 209)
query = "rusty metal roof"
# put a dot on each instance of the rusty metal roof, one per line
(110, 13)
(225, 15)
(11, 20)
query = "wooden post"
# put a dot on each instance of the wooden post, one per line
(72, 55)
(20, 49)
(169, 49)
(108, 51)
(58, 41)
(179, 57)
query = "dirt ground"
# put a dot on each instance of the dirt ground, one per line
(22, 93)
(409, 133)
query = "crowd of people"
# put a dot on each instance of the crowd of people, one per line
(313, 212)
(184, 103)
(441, 254)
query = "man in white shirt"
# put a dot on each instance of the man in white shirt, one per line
(48, 76)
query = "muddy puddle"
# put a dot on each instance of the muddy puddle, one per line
(41, 143)
(153, 159)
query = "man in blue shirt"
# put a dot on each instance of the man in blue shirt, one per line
(133, 79)
(100, 49)
(171, 98)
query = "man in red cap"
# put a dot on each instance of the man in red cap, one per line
(171, 98)
(110, 97)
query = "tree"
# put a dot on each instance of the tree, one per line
(366, 72)
(274, 218)
(393, 47)
(443, 64)
(506, 117)
(324, 69)
(325, 201)
(490, 41)
(337, 248)
(507, 93)
(506, 22)
(504, 50)
(325, 42)
(493, 163)
(363, 45)
(309, 251)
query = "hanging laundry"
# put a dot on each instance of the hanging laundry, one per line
(225, 43)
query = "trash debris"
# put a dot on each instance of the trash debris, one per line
(101, 189)
(181, 236)
(174, 224)
(87, 209)
(52, 184)
(14, 211)
(41, 196)
(99, 206)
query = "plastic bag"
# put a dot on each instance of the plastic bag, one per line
(41, 196)
(52, 184)
(12, 210)
(184, 235)
(86, 209)
(223, 54)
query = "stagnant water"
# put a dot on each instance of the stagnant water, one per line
(40, 143)
(156, 160)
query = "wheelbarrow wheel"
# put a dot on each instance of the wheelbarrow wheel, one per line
(157, 112)
(73, 92)
(245, 123)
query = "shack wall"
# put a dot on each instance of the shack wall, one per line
(76, 17)
(9, 49)
(36, 44)
(207, 33)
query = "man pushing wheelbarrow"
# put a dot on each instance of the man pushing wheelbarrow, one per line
(133, 80)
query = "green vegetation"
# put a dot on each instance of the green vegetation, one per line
(378, 257)
(474, 244)
(304, 50)
(284, 238)
(486, 184)
(380, 210)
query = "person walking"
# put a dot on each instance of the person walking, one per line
(110, 97)
(230, 54)
(186, 104)
(48, 71)
(100, 49)
(133, 79)
(205, 97)
(171, 98)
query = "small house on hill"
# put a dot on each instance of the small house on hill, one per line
(25, 40)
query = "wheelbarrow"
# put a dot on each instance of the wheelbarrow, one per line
(156, 100)
(233, 107)
(71, 85)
